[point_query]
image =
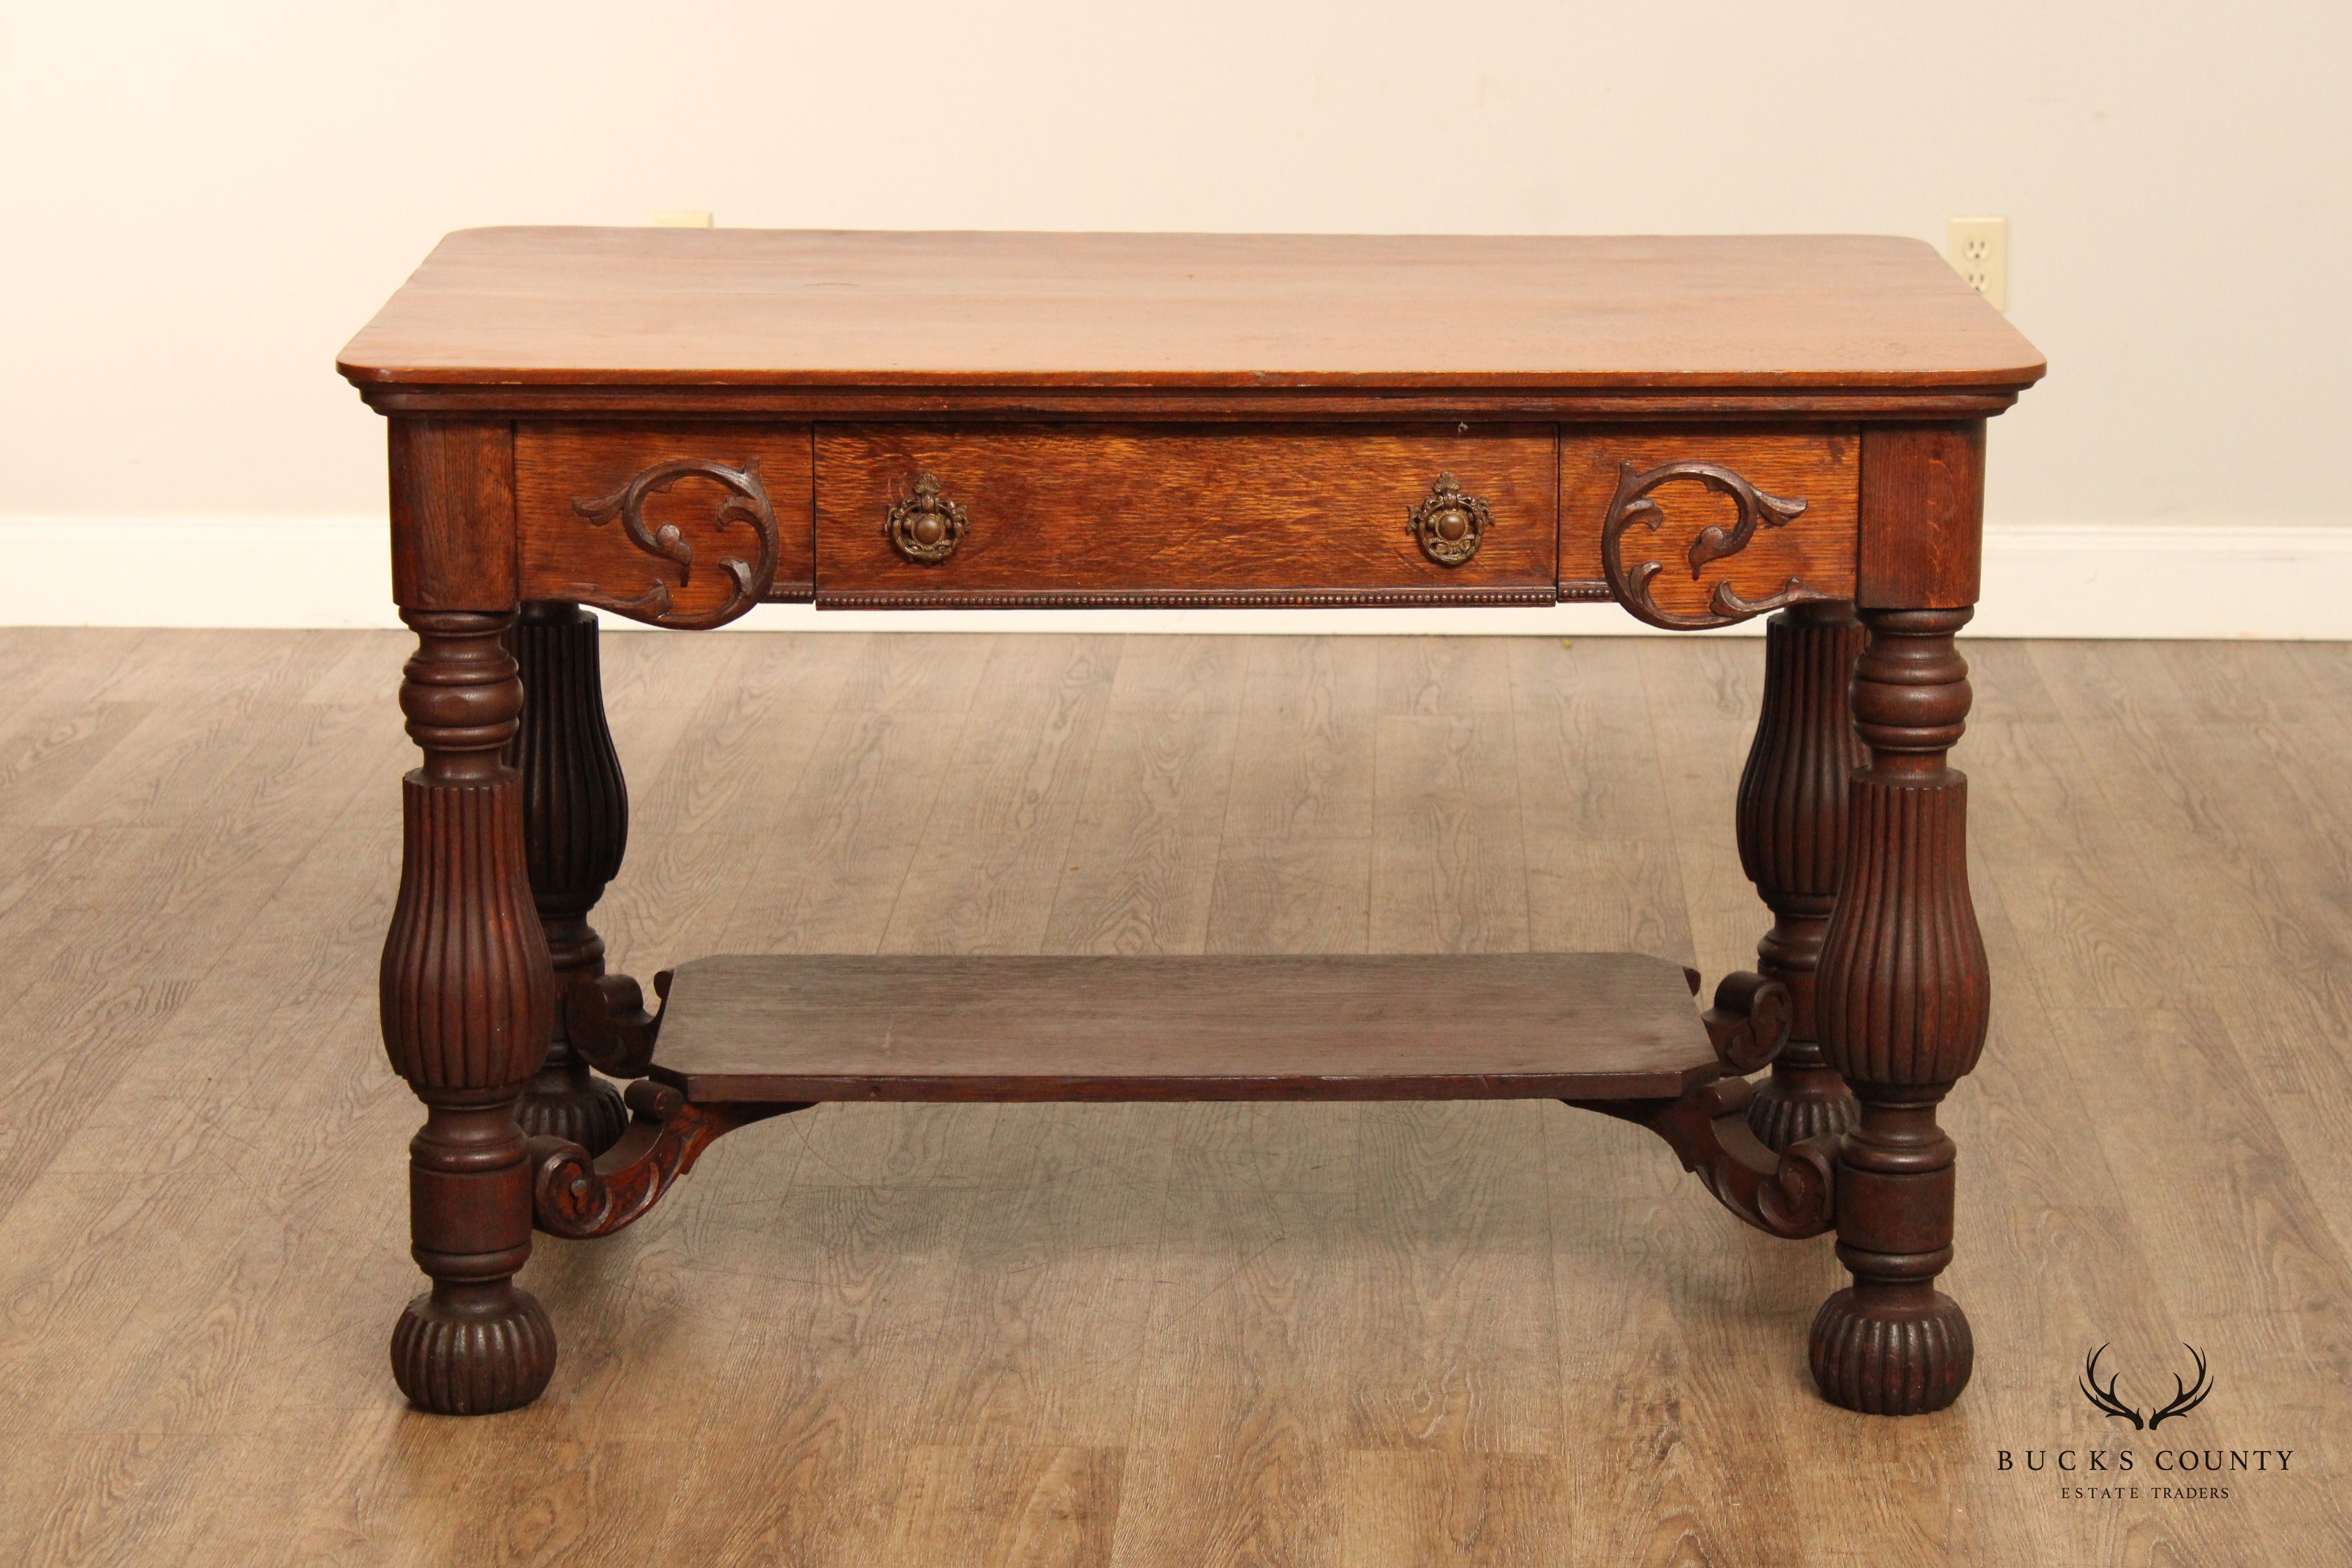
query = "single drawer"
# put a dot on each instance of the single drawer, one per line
(909, 516)
(1691, 528)
(667, 523)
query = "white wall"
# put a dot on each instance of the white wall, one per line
(205, 201)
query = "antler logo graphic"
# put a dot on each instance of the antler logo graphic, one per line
(2185, 1397)
(2185, 1400)
(2105, 1398)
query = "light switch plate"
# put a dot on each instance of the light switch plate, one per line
(1978, 250)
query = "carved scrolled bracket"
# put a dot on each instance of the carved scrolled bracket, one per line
(1749, 1021)
(1633, 586)
(608, 1024)
(575, 1196)
(1792, 1193)
(745, 502)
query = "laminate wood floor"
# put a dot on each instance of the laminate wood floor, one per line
(1497, 1332)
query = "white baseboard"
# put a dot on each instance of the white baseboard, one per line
(2103, 579)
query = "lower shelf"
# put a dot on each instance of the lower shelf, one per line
(742, 1039)
(774, 1030)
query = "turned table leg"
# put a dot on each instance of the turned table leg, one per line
(575, 816)
(1792, 804)
(467, 996)
(1903, 998)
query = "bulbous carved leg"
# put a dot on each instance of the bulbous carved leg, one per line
(575, 831)
(1903, 999)
(1791, 839)
(467, 994)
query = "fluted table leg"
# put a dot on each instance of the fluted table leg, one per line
(1903, 1000)
(468, 996)
(575, 831)
(1792, 806)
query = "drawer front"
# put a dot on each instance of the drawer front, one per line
(1129, 516)
(666, 523)
(1693, 528)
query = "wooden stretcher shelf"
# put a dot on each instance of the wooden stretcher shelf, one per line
(1553, 1025)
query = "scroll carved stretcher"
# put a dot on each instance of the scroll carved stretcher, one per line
(579, 1195)
(610, 1026)
(576, 1195)
(1792, 1193)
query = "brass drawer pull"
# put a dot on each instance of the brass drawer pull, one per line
(1450, 524)
(926, 527)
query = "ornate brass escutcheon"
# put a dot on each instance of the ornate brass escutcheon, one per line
(926, 527)
(1449, 524)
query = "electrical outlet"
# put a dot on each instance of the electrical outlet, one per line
(681, 220)
(1978, 250)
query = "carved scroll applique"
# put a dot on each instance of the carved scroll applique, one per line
(745, 503)
(575, 1196)
(1792, 1193)
(1633, 587)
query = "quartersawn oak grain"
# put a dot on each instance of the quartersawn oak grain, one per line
(607, 306)
(1136, 511)
(1923, 487)
(1819, 467)
(557, 464)
(453, 514)
(770, 1029)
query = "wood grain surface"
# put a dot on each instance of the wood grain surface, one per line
(1062, 512)
(1318, 1334)
(774, 306)
(1555, 1025)
(1824, 470)
(1923, 490)
(453, 514)
(557, 464)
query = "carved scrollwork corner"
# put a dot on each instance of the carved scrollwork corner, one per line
(1749, 1021)
(1791, 1194)
(743, 504)
(609, 1026)
(1635, 586)
(580, 1197)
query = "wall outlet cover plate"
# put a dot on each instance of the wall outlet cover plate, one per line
(1979, 250)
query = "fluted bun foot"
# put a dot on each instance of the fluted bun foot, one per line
(1790, 1108)
(1886, 1355)
(473, 1350)
(570, 1103)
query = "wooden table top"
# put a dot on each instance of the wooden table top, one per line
(542, 307)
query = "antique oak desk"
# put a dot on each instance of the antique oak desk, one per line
(675, 426)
